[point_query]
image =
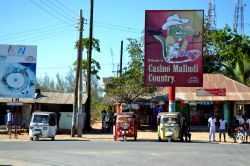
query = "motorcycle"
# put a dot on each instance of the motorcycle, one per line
(239, 134)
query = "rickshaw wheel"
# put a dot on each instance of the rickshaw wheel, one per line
(159, 139)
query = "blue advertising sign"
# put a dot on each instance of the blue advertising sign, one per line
(17, 71)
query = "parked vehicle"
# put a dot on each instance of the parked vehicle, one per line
(43, 125)
(240, 134)
(124, 125)
(168, 126)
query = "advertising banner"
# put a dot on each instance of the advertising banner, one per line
(211, 92)
(173, 48)
(17, 71)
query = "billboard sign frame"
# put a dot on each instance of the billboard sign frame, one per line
(174, 48)
(17, 71)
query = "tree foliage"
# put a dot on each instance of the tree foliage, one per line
(130, 86)
(62, 84)
(223, 45)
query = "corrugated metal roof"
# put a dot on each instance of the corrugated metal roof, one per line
(235, 91)
(49, 98)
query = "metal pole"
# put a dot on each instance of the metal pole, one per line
(171, 98)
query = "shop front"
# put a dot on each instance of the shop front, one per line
(234, 101)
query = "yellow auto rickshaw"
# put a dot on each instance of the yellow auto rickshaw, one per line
(168, 126)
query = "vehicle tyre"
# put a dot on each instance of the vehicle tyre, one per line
(36, 138)
(31, 138)
(159, 139)
(135, 138)
(169, 139)
(53, 138)
(240, 138)
(115, 138)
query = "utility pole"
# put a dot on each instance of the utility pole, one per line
(88, 101)
(79, 105)
(76, 90)
(121, 58)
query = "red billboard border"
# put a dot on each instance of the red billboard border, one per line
(200, 84)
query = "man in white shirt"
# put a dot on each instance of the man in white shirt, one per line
(9, 121)
(222, 128)
(212, 128)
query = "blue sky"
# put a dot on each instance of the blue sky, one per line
(51, 25)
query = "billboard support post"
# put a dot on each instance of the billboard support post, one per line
(171, 99)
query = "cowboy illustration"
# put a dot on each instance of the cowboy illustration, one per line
(175, 44)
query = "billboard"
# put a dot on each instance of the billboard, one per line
(173, 48)
(17, 71)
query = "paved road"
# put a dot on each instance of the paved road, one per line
(58, 153)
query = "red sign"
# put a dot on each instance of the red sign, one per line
(211, 92)
(173, 48)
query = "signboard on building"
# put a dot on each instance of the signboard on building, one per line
(17, 71)
(173, 48)
(211, 92)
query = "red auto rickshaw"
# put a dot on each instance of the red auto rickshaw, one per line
(124, 125)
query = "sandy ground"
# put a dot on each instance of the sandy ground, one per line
(97, 135)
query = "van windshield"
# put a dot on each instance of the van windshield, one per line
(40, 119)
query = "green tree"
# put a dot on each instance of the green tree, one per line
(239, 70)
(226, 46)
(62, 84)
(130, 86)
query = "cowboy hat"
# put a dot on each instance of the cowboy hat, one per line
(174, 20)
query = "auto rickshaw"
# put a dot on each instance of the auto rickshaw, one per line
(124, 125)
(43, 125)
(168, 126)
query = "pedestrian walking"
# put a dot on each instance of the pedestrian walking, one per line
(222, 128)
(9, 121)
(104, 113)
(183, 127)
(212, 128)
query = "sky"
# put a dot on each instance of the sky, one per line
(51, 25)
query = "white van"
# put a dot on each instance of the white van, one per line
(43, 125)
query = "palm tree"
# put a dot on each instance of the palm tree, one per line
(238, 71)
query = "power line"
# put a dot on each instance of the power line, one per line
(46, 36)
(70, 11)
(46, 11)
(33, 32)
(119, 29)
(56, 10)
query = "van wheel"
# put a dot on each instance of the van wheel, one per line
(31, 138)
(53, 138)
